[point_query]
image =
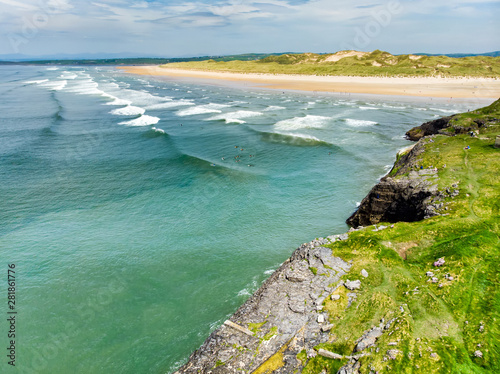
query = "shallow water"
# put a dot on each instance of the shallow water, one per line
(140, 213)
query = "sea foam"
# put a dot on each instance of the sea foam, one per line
(359, 122)
(272, 108)
(444, 110)
(86, 86)
(170, 104)
(143, 120)
(117, 101)
(54, 85)
(129, 110)
(307, 122)
(161, 131)
(68, 75)
(202, 109)
(37, 81)
(235, 117)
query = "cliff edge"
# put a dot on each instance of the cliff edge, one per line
(403, 294)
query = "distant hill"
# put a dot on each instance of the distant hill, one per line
(23, 60)
(459, 55)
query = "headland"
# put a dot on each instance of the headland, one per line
(412, 287)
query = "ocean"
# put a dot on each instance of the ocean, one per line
(140, 213)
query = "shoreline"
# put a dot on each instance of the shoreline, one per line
(436, 87)
(306, 316)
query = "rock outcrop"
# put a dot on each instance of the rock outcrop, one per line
(406, 194)
(450, 125)
(286, 318)
(429, 128)
(394, 200)
(283, 318)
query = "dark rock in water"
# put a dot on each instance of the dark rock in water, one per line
(429, 128)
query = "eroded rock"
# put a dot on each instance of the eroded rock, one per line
(368, 339)
(352, 285)
(287, 302)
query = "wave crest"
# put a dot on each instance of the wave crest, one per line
(359, 122)
(307, 122)
(143, 120)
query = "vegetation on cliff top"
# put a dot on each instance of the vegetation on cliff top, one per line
(376, 63)
(447, 322)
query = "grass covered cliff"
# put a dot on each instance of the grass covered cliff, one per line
(394, 297)
(376, 63)
(447, 317)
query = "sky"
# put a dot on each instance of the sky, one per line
(175, 28)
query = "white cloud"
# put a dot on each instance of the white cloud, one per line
(291, 24)
(18, 5)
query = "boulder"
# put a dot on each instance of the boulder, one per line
(327, 327)
(368, 339)
(328, 354)
(393, 353)
(439, 262)
(429, 128)
(352, 285)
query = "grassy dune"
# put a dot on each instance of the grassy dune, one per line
(450, 326)
(376, 63)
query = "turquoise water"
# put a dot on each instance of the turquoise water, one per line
(137, 218)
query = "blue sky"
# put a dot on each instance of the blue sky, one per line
(214, 27)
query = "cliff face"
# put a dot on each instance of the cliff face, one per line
(286, 317)
(396, 200)
(283, 318)
(406, 194)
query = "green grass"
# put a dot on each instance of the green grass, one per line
(376, 63)
(255, 327)
(439, 329)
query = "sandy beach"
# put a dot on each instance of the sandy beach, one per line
(418, 86)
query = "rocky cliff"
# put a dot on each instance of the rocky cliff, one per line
(454, 125)
(408, 193)
(416, 297)
(281, 319)
(287, 315)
